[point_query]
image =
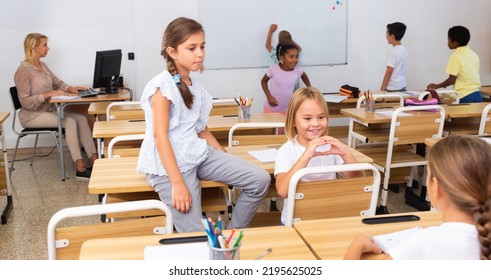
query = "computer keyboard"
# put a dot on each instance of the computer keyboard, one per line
(88, 92)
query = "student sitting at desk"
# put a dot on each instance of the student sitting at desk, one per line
(459, 185)
(36, 84)
(178, 150)
(308, 144)
(462, 67)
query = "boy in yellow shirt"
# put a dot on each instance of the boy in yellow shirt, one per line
(462, 67)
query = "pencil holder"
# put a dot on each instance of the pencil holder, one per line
(369, 105)
(232, 253)
(244, 112)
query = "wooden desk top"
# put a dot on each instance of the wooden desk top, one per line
(464, 110)
(4, 116)
(486, 91)
(123, 94)
(285, 242)
(242, 152)
(118, 175)
(431, 141)
(114, 128)
(329, 238)
(105, 129)
(99, 108)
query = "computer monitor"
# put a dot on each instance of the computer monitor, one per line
(107, 70)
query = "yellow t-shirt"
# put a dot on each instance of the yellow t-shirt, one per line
(464, 63)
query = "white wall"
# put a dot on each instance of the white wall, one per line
(77, 29)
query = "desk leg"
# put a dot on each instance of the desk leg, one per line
(8, 207)
(59, 111)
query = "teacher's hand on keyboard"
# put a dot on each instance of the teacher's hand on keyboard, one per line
(88, 92)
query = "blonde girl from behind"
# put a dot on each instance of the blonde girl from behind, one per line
(459, 186)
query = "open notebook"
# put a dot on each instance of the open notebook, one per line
(388, 241)
(268, 155)
(181, 251)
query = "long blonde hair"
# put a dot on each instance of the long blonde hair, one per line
(298, 97)
(176, 33)
(462, 167)
(30, 42)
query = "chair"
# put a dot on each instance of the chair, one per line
(259, 139)
(117, 151)
(124, 110)
(358, 132)
(446, 96)
(405, 132)
(344, 197)
(213, 198)
(53, 131)
(65, 242)
(485, 125)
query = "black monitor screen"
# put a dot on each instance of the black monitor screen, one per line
(107, 70)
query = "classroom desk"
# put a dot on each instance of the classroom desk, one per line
(464, 112)
(221, 123)
(336, 107)
(285, 242)
(60, 104)
(220, 107)
(118, 175)
(329, 238)
(216, 124)
(242, 152)
(430, 142)
(463, 118)
(486, 92)
(98, 109)
(8, 188)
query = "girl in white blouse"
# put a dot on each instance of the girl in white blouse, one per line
(178, 149)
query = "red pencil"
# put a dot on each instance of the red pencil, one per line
(230, 237)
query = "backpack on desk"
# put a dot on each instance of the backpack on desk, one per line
(427, 100)
(349, 91)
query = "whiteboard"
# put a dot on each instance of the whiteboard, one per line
(236, 31)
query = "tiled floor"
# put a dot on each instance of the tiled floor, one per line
(38, 193)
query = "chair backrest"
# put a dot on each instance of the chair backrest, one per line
(65, 242)
(356, 131)
(124, 110)
(131, 149)
(411, 125)
(445, 96)
(344, 197)
(15, 98)
(259, 139)
(485, 126)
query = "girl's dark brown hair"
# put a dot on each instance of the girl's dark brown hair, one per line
(462, 165)
(176, 33)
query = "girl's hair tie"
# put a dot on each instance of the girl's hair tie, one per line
(177, 79)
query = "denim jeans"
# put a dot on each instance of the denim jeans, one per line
(472, 98)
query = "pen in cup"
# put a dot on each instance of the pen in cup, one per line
(260, 256)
